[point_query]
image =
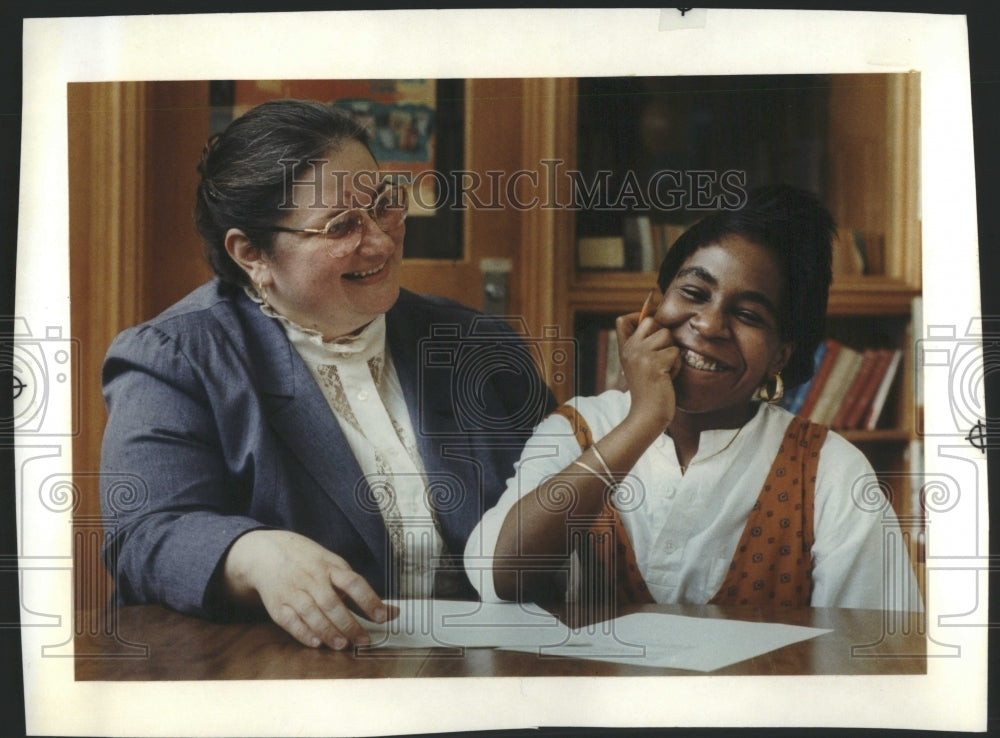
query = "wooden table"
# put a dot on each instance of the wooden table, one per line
(150, 642)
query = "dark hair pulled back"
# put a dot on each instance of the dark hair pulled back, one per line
(245, 171)
(798, 230)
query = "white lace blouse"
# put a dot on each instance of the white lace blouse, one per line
(357, 378)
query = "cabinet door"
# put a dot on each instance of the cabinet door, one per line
(480, 233)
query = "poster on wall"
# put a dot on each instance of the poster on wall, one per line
(403, 119)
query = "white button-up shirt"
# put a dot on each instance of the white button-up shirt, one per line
(684, 528)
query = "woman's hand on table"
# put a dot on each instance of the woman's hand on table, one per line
(304, 587)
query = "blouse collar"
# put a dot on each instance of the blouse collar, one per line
(722, 441)
(365, 343)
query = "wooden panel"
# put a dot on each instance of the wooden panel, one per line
(857, 137)
(492, 120)
(903, 237)
(179, 127)
(133, 151)
(547, 233)
(108, 128)
(493, 144)
(874, 165)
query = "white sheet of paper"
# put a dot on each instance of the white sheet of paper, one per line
(678, 642)
(459, 623)
(644, 639)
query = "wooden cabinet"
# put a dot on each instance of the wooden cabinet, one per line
(857, 138)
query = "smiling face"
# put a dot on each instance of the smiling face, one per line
(335, 295)
(721, 309)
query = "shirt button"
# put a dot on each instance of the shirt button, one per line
(669, 547)
(363, 395)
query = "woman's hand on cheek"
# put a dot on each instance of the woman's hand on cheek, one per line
(303, 586)
(650, 361)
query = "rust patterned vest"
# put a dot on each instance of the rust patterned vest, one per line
(772, 562)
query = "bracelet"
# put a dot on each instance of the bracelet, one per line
(609, 481)
(600, 458)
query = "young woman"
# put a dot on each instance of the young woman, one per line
(693, 486)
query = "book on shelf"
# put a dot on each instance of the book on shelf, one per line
(613, 376)
(640, 248)
(830, 350)
(849, 388)
(853, 396)
(646, 242)
(633, 244)
(858, 252)
(842, 374)
(647, 249)
(865, 390)
(848, 253)
(885, 384)
(873, 245)
(608, 367)
(665, 235)
(600, 252)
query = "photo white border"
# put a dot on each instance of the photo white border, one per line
(511, 43)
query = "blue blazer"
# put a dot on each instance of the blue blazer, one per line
(216, 427)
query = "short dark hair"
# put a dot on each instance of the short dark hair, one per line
(798, 230)
(243, 181)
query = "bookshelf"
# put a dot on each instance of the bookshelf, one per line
(853, 138)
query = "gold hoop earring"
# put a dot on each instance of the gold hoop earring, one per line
(769, 394)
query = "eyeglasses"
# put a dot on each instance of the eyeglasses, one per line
(343, 232)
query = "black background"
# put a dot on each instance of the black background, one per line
(984, 32)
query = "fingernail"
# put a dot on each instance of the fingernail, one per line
(380, 614)
(314, 642)
(340, 643)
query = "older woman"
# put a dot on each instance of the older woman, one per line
(715, 493)
(291, 445)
